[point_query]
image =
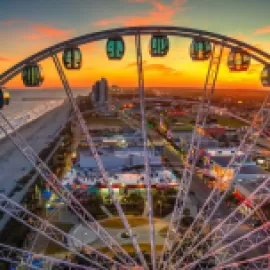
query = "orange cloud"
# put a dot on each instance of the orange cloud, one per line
(159, 14)
(159, 68)
(263, 30)
(4, 59)
(134, 64)
(44, 31)
(154, 67)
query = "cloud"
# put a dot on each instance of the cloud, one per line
(158, 67)
(134, 64)
(45, 31)
(10, 22)
(263, 30)
(4, 59)
(154, 67)
(158, 14)
(137, 1)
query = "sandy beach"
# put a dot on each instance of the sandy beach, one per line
(38, 134)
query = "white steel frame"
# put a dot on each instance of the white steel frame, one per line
(102, 170)
(217, 195)
(147, 177)
(222, 231)
(9, 254)
(51, 232)
(63, 193)
(259, 263)
(194, 148)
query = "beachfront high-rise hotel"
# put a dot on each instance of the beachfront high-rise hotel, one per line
(100, 93)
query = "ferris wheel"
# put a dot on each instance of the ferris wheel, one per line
(198, 247)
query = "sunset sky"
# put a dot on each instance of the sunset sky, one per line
(27, 26)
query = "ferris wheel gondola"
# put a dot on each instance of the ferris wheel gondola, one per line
(265, 76)
(72, 58)
(159, 45)
(4, 98)
(32, 75)
(200, 50)
(238, 60)
(115, 48)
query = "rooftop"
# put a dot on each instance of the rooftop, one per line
(253, 169)
(248, 168)
(83, 177)
(248, 186)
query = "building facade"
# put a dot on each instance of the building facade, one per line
(100, 93)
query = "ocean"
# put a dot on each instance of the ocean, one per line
(28, 105)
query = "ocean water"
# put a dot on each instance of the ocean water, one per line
(28, 105)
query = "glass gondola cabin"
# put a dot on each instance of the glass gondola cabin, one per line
(265, 76)
(159, 45)
(115, 48)
(4, 98)
(200, 50)
(72, 58)
(238, 60)
(32, 75)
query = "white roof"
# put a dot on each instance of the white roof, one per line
(78, 177)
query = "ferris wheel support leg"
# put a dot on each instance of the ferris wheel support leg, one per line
(46, 162)
(52, 233)
(102, 170)
(229, 225)
(47, 175)
(145, 146)
(240, 246)
(203, 112)
(217, 195)
(12, 254)
(259, 263)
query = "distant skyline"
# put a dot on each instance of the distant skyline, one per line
(28, 26)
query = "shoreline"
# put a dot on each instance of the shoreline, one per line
(32, 123)
(28, 118)
(38, 133)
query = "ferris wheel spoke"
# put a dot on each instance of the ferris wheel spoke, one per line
(23, 257)
(217, 195)
(259, 263)
(100, 165)
(230, 224)
(148, 181)
(203, 112)
(242, 245)
(53, 233)
(51, 179)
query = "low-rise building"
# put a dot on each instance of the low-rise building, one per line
(118, 158)
(122, 182)
(243, 188)
(216, 162)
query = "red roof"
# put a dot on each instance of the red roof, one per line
(214, 130)
(177, 112)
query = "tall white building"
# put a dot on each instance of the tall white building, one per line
(100, 93)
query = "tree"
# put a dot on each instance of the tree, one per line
(186, 212)
(170, 192)
(135, 198)
(187, 221)
(93, 204)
